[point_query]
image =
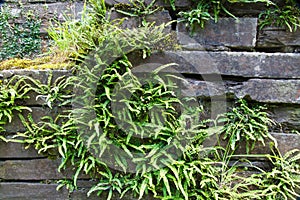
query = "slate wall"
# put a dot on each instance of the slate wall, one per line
(260, 65)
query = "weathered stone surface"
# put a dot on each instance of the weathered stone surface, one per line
(82, 194)
(240, 64)
(42, 1)
(159, 17)
(286, 142)
(38, 75)
(279, 38)
(31, 191)
(227, 32)
(270, 91)
(128, 22)
(55, 10)
(287, 116)
(32, 100)
(39, 169)
(15, 150)
(261, 90)
(37, 113)
(250, 9)
(204, 89)
(24, 2)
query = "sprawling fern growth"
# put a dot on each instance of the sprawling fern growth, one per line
(133, 132)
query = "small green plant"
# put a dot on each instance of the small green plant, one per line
(199, 15)
(211, 10)
(12, 91)
(246, 124)
(19, 40)
(137, 8)
(172, 3)
(283, 180)
(78, 39)
(286, 16)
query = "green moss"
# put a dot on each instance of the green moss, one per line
(46, 62)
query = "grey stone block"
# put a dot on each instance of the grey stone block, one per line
(15, 151)
(56, 10)
(260, 90)
(287, 116)
(286, 142)
(39, 75)
(278, 37)
(163, 3)
(228, 32)
(37, 113)
(31, 191)
(36, 169)
(239, 64)
(252, 8)
(270, 91)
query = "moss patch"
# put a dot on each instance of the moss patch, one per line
(47, 62)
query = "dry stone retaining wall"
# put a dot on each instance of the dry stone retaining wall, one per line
(259, 65)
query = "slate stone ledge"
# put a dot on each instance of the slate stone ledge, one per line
(39, 75)
(34, 170)
(260, 90)
(239, 64)
(56, 10)
(32, 191)
(12, 150)
(37, 113)
(286, 142)
(278, 37)
(287, 116)
(179, 4)
(250, 9)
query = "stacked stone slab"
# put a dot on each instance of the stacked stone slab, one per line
(231, 59)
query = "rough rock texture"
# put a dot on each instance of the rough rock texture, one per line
(56, 10)
(16, 151)
(37, 113)
(82, 194)
(39, 75)
(37, 169)
(250, 9)
(240, 64)
(270, 91)
(278, 37)
(287, 116)
(228, 32)
(286, 142)
(29, 170)
(260, 90)
(49, 11)
(31, 191)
